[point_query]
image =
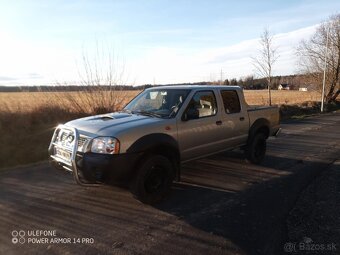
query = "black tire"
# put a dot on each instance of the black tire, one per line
(256, 148)
(153, 179)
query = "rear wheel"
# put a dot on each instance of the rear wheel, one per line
(153, 179)
(256, 148)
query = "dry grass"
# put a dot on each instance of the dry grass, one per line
(27, 120)
(279, 97)
(30, 101)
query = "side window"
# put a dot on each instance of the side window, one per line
(202, 104)
(231, 101)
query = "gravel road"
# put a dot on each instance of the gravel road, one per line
(223, 205)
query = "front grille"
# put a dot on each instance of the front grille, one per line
(81, 143)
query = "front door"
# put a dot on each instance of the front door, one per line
(200, 130)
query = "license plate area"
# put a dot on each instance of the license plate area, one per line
(63, 154)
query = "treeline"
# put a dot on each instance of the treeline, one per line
(66, 88)
(295, 81)
(249, 82)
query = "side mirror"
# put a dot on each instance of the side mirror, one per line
(190, 114)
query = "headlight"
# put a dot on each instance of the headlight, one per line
(105, 145)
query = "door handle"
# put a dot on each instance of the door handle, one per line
(219, 122)
(241, 118)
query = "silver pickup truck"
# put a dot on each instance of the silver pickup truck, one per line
(145, 143)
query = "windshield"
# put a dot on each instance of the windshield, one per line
(163, 103)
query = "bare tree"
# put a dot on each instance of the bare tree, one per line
(313, 53)
(101, 78)
(265, 60)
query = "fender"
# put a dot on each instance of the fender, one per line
(257, 125)
(161, 144)
(151, 141)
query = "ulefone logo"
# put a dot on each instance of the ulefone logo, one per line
(18, 236)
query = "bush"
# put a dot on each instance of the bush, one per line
(25, 136)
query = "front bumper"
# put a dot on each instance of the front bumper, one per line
(89, 168)
(96, 167)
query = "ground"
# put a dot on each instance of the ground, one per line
(314, 223)
(223, 205)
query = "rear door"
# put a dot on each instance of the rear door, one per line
(235, 121)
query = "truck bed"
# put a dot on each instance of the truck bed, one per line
(271, 113)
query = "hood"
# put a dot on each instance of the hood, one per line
(110, 124)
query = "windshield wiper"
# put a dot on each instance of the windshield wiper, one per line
(125, 110)
(152, 114)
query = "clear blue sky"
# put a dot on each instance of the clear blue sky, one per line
(162, 41)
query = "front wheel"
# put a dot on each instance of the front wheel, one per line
(153, 179)
(256, 148)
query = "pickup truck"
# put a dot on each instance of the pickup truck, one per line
(145, 143)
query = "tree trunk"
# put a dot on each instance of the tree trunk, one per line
(269, 87)
(334, 96)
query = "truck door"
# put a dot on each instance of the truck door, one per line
(199, 127)
(235, 121)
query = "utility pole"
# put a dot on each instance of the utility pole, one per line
(221, 77)
(324, 72)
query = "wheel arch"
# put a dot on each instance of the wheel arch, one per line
(157, 144)
(260, 125)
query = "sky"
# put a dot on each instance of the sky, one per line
(149, 41)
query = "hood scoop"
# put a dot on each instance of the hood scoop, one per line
(111, 117)
(106, 117)
(103, 117)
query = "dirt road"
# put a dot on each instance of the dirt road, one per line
(223, 206)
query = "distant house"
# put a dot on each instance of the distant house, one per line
(309, 87)
(285, 86)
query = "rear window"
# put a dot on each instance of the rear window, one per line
(231, 101)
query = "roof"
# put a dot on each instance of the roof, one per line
(197, 87)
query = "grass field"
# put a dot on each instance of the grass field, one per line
(30, 101)
(279, 97)
(27, 120)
